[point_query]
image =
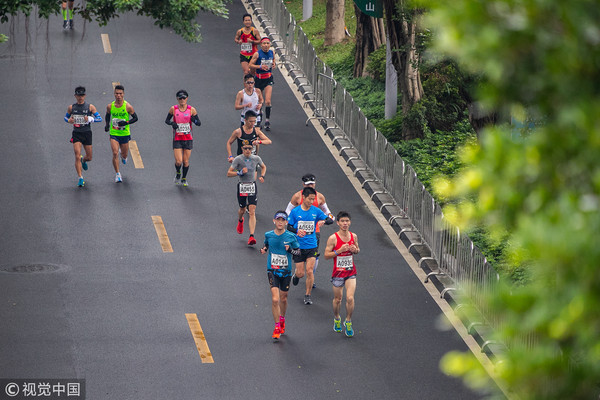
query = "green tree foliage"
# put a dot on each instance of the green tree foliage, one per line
(542, 56)
(180, 15)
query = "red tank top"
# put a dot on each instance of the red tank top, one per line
(245, 38)
(184, 123)
(343, 263)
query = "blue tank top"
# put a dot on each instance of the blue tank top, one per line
(264, 59)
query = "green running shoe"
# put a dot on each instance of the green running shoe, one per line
(349, 331)
(337, 325)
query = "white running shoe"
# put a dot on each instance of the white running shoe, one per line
(118, 177)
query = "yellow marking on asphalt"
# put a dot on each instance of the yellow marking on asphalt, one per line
(106, 42)
(135, 154)
(163, 238)
(199, 338)
(115, 84)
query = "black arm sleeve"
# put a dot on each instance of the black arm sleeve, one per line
(168, 119)
(294, 252)
(328, 221)
(133, 119)
(292, 229)
(107, 120)
(196, 120)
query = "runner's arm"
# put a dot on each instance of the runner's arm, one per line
(357, 250)
(68, 114)
(107, 119)
(229, 143)
(238, 101)
(263, 139)
(168, 120)
(251, 64)
(289, 208)
(329, 254)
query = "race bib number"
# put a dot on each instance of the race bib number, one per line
(247, 189)
(344, 262)
(307, 226)
(267, 63)
(183, 129)
(246, 47)
(279, 261)
(115, 123)
(79, 119)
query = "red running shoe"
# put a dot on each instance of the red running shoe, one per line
(240, 226)
(276, 332)
(282, 325)
(251, 241)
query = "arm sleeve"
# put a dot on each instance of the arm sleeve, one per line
(107, 120)
(291, 228)
(289, 208)
(168, 119)
(97, 117)
(328, 221)
(67, 116)
(133, 119)
(196, 120)
(325, 209)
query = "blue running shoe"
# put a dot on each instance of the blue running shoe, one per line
(83, 164)
(349, 331)
(337, 325)
(80, 182)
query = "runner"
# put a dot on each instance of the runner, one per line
(244, 166)
(67, 12)
(248, 99)
(263, 63)
(247, 132)
(309, 180)
(342, 246)
(81, 115)
(247, 37)
(183, 115)
(302, 221)
(280, 244)
(117, 122)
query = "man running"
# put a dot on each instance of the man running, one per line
(81, 115)
(67, 12)
(247, 37)
(244, 166)
(247, 132)
(309, 180)
(248, 99)
(302, 221)
(183, 115)
(280, 244)
(117, 122)
(342, 246)
(263, 63)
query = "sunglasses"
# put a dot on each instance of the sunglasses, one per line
(181, 98)
(250, 83)
(247, 148)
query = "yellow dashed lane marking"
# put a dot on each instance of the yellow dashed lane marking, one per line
(106, 42)
(135, 154)
(163, 238)
(199, 338)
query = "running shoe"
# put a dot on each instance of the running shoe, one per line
(240, 226)
(349, 331)
(70, 24)
(118, 177)
(295, 280)
(184, 182)
(176, 179)
(251, 241)
(314, 285)
(267, 126)
(337, 325)
(307, 299)
(83, 164)
(123, 160)
(80, 182)
(282, 324)
(65, 24)
(276, 332)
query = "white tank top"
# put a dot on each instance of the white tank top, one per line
(253, 98)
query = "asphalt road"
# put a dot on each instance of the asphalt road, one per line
(112, 310)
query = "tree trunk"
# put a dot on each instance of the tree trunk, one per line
(334, 22)
(370, 35)
(402, 27)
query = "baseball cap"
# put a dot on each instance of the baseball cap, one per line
(308, 179)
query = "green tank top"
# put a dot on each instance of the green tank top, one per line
(116, 115)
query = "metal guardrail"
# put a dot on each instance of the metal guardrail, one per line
(456, 255)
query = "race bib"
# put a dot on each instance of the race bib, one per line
(344, 262)
(247, 189)
(115, 123)
(246, 47)
(279, 261)
(183, 129)
(307, 226)
(79, 119)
